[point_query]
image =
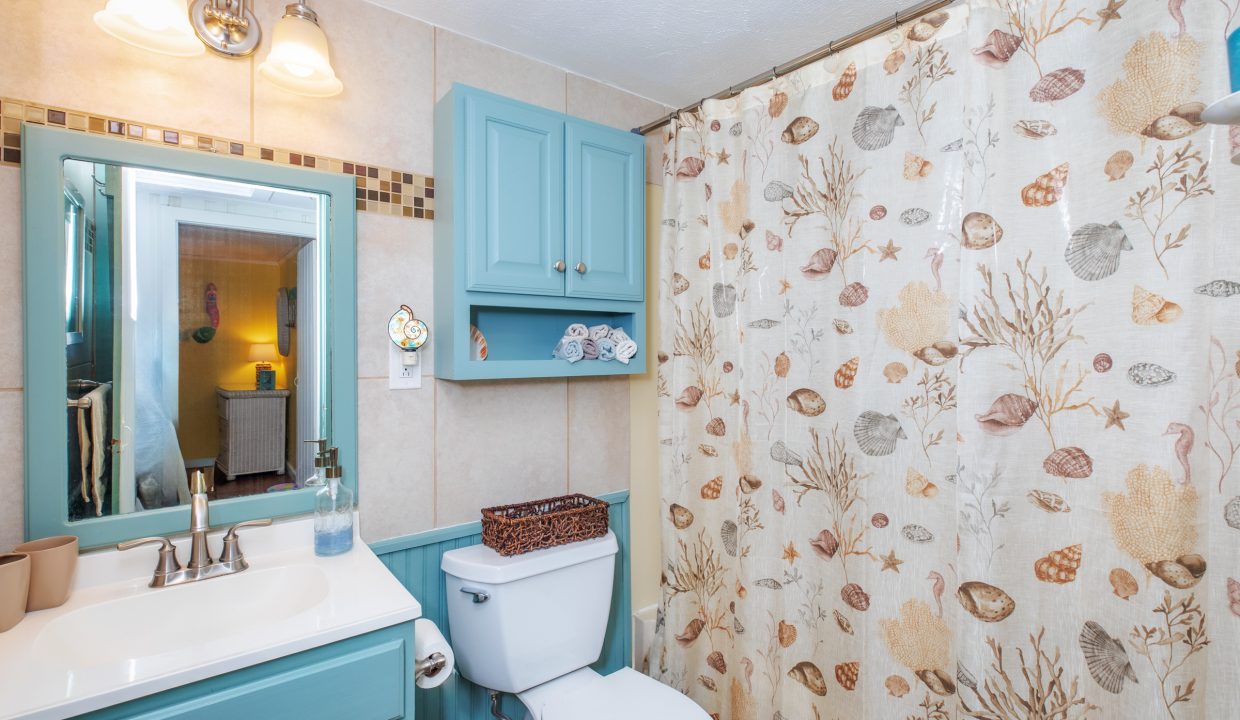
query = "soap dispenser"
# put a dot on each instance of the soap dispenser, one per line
(333, 511)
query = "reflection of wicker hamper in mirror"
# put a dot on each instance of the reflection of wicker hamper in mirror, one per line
(252, 431)
(14, 584)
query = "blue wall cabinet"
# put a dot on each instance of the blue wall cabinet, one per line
(605, 218)
(514, 179)
(540, 222)
(367, 677)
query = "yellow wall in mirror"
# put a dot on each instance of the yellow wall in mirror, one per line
(247, 293)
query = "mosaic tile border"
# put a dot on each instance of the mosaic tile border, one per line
(379, 190)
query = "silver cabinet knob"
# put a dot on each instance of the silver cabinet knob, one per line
(580, 267)
(559, 266)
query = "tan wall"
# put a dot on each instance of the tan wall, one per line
(247, 316)
(644, 504)
(419, 461)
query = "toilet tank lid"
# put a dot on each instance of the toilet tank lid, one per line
(479, 563)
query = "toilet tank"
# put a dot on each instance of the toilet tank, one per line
(544, 614)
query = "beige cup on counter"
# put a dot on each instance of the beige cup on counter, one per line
(14, 583)
(53, 561)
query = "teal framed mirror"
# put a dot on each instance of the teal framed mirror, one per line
(183, 311)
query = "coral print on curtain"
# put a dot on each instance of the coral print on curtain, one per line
(950, 376)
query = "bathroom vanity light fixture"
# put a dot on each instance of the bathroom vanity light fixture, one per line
(160, 26)
(299, 60)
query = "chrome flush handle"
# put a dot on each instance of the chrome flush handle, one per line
(480, 596)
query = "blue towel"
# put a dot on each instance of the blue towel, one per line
(606, 349)
(569, 348)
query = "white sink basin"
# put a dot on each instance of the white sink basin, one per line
(160, 621)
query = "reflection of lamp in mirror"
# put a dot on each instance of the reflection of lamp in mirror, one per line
(299, 60)
(262, 355)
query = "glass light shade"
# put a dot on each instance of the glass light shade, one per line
(160, 26)
(299, 60)
(262, 353)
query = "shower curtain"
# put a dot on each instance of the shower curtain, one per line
(950, 376)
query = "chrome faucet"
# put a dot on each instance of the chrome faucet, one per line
(168, 570)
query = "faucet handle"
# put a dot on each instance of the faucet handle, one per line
(231, 554)
(167, 562)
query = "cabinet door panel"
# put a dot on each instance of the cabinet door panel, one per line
(514, 206)
(605, 213)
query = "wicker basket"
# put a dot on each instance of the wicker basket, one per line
(525, 527)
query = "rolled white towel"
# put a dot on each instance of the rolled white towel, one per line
(598, 332)
(618, 335)
(577, 330)
(606, 349)
(569, 348)
(625, 350)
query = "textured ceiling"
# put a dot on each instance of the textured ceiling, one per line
(670, 51)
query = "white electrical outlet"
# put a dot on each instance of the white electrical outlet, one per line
(403, 374)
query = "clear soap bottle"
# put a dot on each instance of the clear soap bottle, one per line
(333, 512)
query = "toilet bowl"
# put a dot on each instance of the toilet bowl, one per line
(532, 624)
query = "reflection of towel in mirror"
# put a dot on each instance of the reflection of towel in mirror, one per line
(83, 448)
(589, 350)
(577, 330)
(98, 441)
(625, 350)
(92, 442)
(598, 332)
(569, 348)
(606, 349)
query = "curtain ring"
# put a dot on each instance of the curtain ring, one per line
(896, 20)
(774, 73)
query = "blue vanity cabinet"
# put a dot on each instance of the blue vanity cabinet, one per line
(513, 183)
(367, 677)
(605, 214)
(540, 223)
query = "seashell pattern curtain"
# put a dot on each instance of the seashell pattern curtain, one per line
(950, 376)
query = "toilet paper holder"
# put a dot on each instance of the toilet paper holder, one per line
(429, 666)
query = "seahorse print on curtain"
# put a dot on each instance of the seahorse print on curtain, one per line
(950, 376)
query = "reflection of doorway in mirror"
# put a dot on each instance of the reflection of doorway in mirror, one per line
(202, 263)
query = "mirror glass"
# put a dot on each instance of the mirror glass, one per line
(195, 337)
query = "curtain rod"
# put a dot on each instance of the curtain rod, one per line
(870, 31)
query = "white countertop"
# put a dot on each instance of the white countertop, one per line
(50, 669)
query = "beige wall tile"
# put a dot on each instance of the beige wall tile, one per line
(396, 441)
(498, 443)
(12, 480)
(598, 435)
(10, 277)
(54, 53)
(464, 60)
(393, 268)
(607, 105)
(383, 117)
